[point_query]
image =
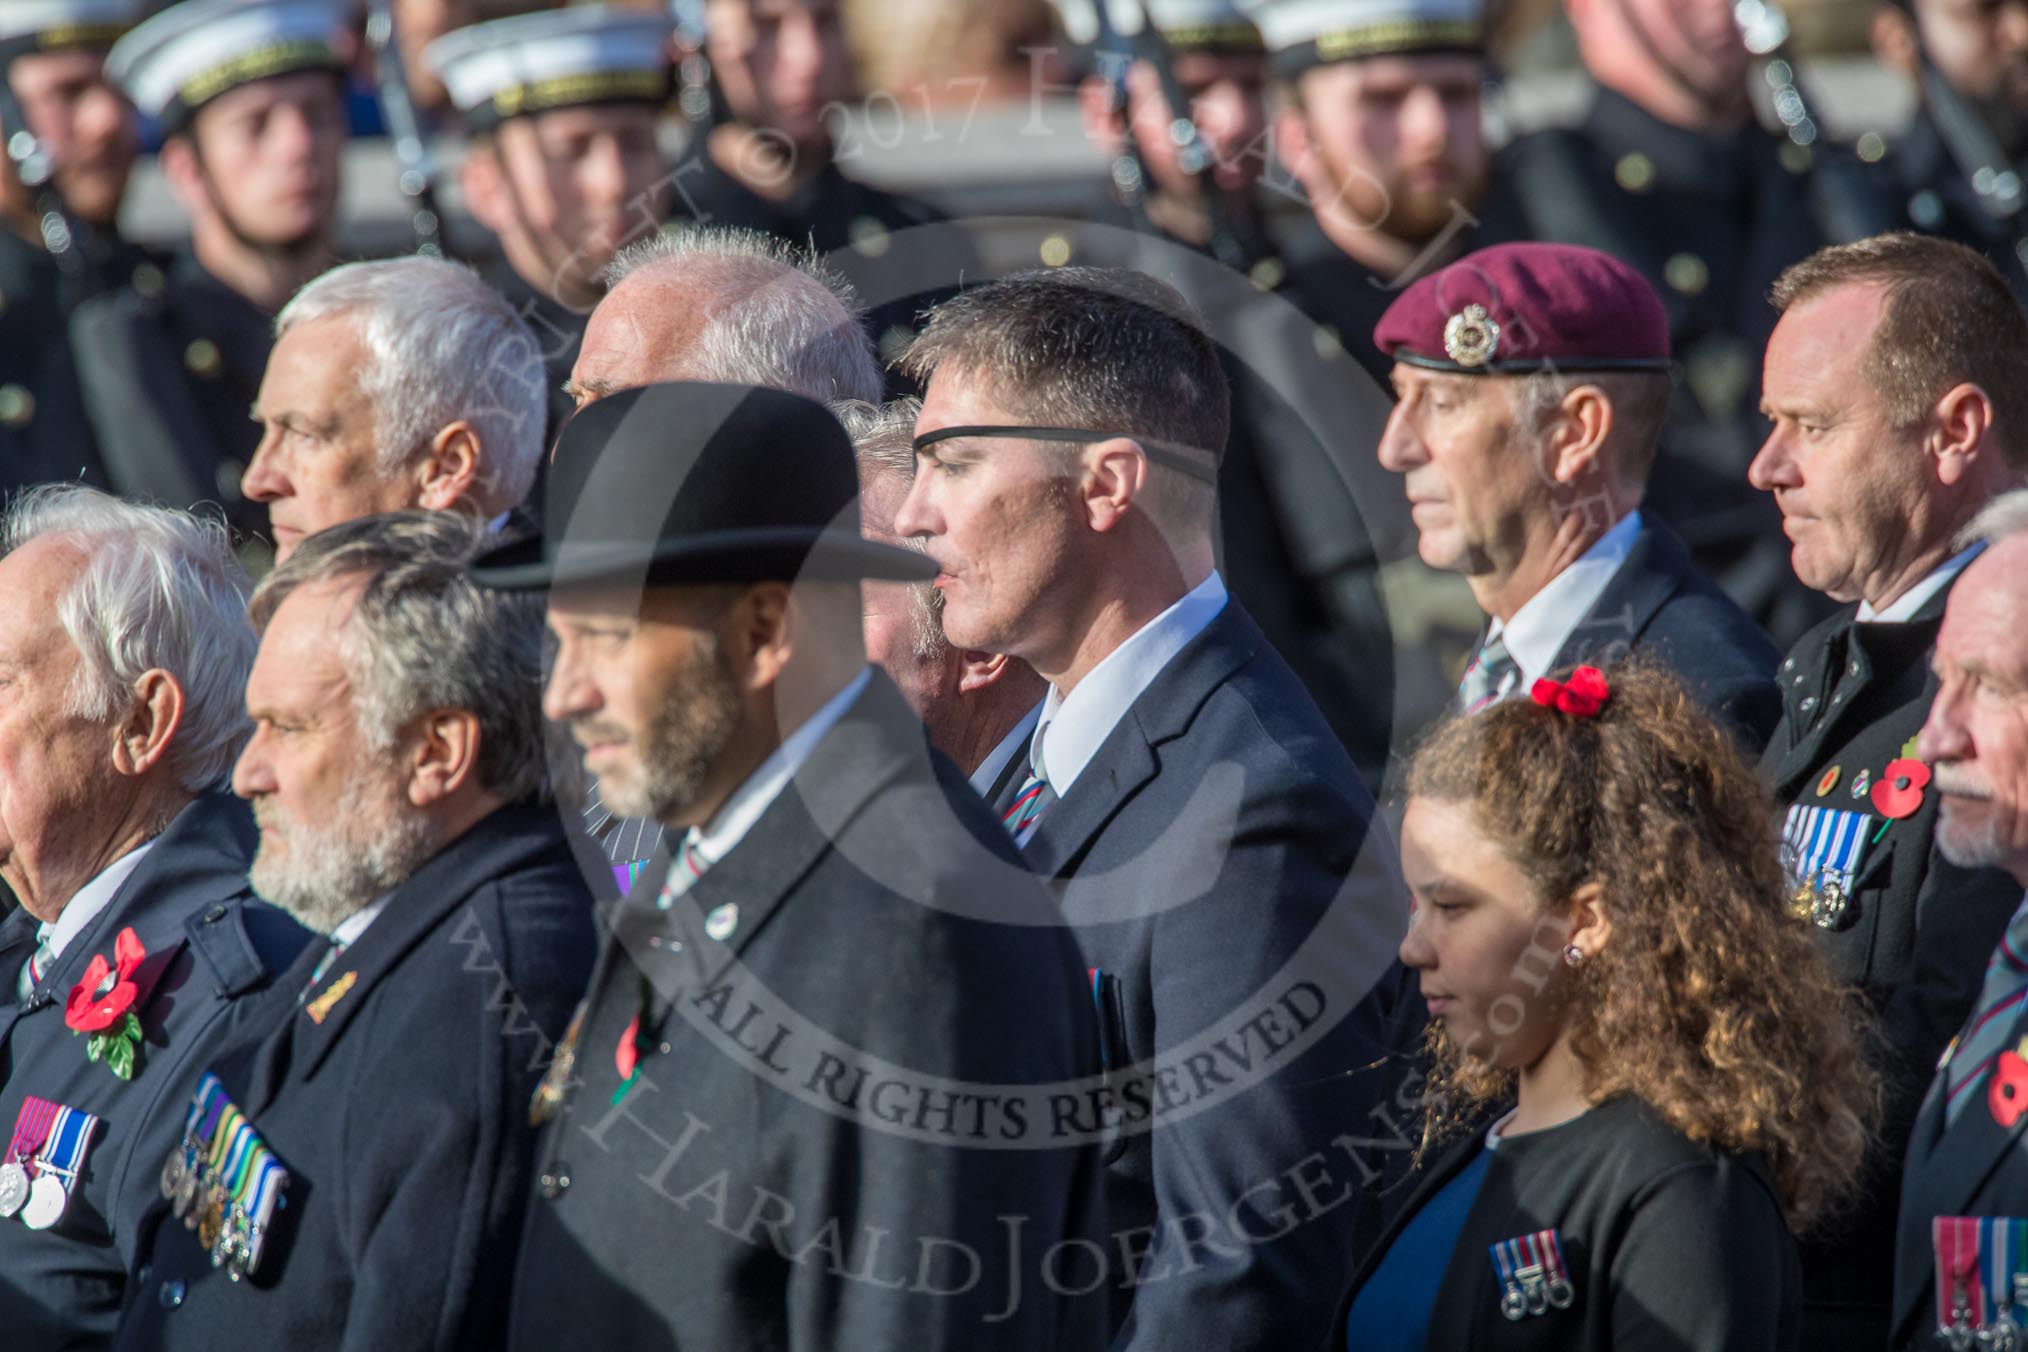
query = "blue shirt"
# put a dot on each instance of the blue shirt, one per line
(1391, 1312)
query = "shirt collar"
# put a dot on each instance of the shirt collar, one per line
(1537, 632)
(729, 825)
(988, 774)
(93, 898)
(1071, 728)
(352, 926)
(1916, 597)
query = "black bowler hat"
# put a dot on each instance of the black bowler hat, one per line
(694, 483)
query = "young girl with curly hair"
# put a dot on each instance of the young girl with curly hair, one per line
(1672, 1078)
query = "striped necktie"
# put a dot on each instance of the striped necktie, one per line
(2000, 1001)
(1031, 800)
(1482, 680)
(37, 966)
(685, 869)
(323, 966)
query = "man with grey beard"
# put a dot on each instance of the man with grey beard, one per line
(395, 773)
(1964, 1160)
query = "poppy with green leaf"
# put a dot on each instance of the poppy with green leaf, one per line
(102, 1004)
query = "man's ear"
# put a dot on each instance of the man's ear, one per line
(1292, 143)
(1575, 443)
(150, 724)
(185, 173)
(1102, 126)
(449, 473)
(1961, 427)
(1115, 477)
(979, 670)
(1892, 34)
(759, 632)
(446, 756)
(479, 180)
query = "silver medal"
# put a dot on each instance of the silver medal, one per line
(13, 1188)
(46, 1201)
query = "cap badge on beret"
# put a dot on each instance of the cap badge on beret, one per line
(1471, 336)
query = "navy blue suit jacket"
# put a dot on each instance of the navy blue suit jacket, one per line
(212, 951)
(1659, 606)
(1218, 861)
(397, 1098)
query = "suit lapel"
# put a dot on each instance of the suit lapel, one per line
(877, 740)
(1643, 583)
(503, 842)
(1126, 760)
(1948, 1175)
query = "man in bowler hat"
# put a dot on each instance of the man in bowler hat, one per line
(805, 1103)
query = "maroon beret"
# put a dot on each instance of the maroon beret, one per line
(1528, 307)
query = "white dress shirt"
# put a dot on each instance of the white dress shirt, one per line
(1546, 620)
(1916, 597)
(1072, 728)
(736, 816)
(1015, 742)
(352, 926)
(93, 898)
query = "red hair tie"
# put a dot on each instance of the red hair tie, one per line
(1582, 696)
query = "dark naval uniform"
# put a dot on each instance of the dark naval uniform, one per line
(1910, 930)
(1926, 190)
(1710, 221)
(211, 952)
(44, 435)
(854, 226)
(169, 380)
(393, 1085)
(785, 1172)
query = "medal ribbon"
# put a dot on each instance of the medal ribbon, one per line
(63, 1153)
(31, 1129)
(1956, 1239)
(272, 1178)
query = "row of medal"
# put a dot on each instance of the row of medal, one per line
(223, 1181)
(1534, 1278)
(45, 1156)
(1981, 1282)
(1821, 850)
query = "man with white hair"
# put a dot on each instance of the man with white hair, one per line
(124, 648)
(397, 384)
(1964, 1157)
(396, 771)
(980, 707)
(726, 305)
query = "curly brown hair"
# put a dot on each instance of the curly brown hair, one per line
(1710, 1002)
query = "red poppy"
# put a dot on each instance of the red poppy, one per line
(1582, 696)
(107, 991)
(628, 1055)
(2007, 1092)
(1898, 793)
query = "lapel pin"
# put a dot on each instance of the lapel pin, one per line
(722, 921)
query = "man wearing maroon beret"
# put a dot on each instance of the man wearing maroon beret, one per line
(1533, 380)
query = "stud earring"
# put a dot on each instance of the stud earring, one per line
(1573, 956)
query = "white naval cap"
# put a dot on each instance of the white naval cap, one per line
(1185, 25)
(1306, 33)
(561, 58)
(63, 25)
(195, 50)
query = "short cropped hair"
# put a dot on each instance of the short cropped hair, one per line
(159, 588)
(1101, 349)
(1949, 319)
(425, 636)
(1640, 403)
(441, 346)
(789, 321)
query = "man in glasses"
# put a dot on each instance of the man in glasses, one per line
(1206, 832)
